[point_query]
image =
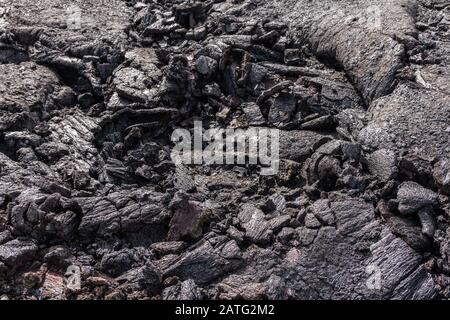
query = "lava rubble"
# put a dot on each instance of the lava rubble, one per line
(91, 91)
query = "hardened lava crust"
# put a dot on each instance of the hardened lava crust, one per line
(92, 205)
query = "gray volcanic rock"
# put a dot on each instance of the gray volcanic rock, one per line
(95, 96)
(383, 164)
(413, 197)
(256, 227)
(76, 23)
(17, 252)
(25, 103)
(442, 174)
(359, 35)
(121, 213)
(187, 221)
(146, 278)
(357, 232)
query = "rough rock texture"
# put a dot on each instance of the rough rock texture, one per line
(91, 91)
